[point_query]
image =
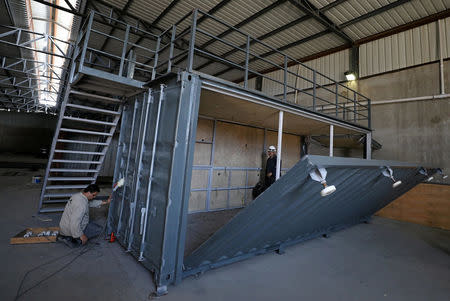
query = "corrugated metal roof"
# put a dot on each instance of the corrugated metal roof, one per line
(400, 15)
(262, 18)
(240, 13)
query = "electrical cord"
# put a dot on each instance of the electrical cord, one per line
(84, 250)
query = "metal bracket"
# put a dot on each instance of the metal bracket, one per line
(319, 174)
(441, 172)
(387, 172)
(424, 172)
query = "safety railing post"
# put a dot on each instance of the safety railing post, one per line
(285, 78)
(369, 111)
(172, 44)
(247, 55)
(86, 40)
(337, 98)
(314, 90)
(124, 50)
(155, 63)
(354, 106)
(192, 41)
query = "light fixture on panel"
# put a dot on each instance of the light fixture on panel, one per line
(350, 75)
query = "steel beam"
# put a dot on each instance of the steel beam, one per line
(18, 33)
(374, 13)
(71, 9)
(164, 12)
(308, 8)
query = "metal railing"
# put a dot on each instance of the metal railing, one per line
(125, 58)
(203, 43)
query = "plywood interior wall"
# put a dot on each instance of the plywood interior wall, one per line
(425, 204)
(236, 146)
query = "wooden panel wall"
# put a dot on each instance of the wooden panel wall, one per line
(425, 204)
(235, 146)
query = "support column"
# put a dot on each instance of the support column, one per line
(331, 139)
(368, 146)
(280, 136)
(441, 56)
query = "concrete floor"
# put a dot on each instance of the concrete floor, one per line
(383, 260)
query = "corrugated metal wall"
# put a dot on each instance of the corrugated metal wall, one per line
(405, 49)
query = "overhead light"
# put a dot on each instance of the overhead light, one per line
(350, 75)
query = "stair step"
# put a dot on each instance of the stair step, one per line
(92, 109)
(58, 195)
(76, 161)
(82, 142)
(89, 121)
(85, 132)
(71, 179)
(65, 187)
(72, 170)
(51, 209)
(77, 152)
(55, 201)
(89, 95)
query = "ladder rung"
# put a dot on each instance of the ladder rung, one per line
(86, 132)
(71, 170)
(65, 186)
(54, 201)
(77, 152)
(89, 95)
(82, 142)
(93, 109)
(52, 209)
(89, 121)
(58, 195)
(76, 161)
(71, 179)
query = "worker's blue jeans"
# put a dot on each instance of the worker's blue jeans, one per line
(92, 230)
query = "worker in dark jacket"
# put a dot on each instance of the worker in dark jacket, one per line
(271, 166)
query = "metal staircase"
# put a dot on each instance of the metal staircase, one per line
(86, 125)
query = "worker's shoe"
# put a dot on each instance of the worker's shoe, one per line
(69, 241)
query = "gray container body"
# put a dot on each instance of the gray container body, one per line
(155, 157)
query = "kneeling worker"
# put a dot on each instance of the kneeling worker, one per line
(75, 227)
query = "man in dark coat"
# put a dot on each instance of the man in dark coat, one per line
(271, 166)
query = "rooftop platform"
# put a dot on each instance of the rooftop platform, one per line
(114, 57)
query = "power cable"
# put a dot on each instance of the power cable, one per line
(82, 252)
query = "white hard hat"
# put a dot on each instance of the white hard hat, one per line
(272, 148)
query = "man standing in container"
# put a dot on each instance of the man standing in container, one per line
(75, 228)
(271, 166)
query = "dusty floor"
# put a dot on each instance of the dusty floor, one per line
(383, 260)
